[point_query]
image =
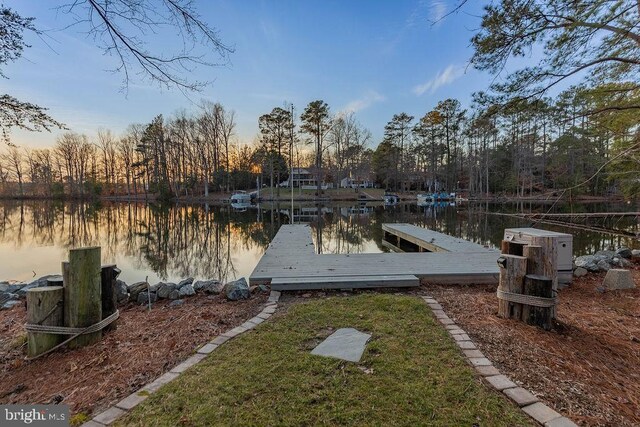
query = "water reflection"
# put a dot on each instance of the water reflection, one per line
(225, 242)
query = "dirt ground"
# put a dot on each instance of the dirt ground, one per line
(588, 368)
(144, 345)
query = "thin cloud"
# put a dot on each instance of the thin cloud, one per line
(437, 11)
(370, 98)
(427, 12)
(448, 76)
(269, 30)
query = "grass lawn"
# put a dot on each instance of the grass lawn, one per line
(411, 374)
(285, 193)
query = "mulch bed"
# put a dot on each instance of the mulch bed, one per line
(144, 345)
(587, 368)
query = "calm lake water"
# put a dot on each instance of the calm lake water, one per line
(168, 243)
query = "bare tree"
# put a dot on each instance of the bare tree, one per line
(14, 163)
(122, 29)
(107, 145)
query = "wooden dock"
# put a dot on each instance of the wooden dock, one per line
(291, 263)
(428, 240)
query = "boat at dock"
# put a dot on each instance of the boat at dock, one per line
(435, 197)
(391, 199)
(241, 198)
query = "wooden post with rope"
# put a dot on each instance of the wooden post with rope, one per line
(83, 294)
(76, 313)
(549, 262)
(513, 268)
(534, 266)
(44, 307)
(538, 286)
(526, 287)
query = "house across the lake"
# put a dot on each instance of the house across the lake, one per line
(300, 177)
(356, 183)
(305, 179)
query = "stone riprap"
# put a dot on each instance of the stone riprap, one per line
(12, 292)
(213, 287)
(237, 290)
(603, 261)
(139, 292)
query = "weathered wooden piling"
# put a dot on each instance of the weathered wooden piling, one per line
(549, 257)
(44, 307)
(538, 286)
(526, 287)
(108, 276)
(513, 268)
(83, 293)
(534, 266)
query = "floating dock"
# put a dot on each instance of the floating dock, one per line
(428, 240)
(291, 262)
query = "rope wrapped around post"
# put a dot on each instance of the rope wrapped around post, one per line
(74, 332)
(527, 299)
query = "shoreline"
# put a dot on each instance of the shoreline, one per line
(223, 199)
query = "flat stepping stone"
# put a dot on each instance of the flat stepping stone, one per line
(345, 343)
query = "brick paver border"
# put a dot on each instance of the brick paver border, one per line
(110, 415)
(484, 367)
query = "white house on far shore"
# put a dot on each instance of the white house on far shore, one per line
(303, 178)
(355, 183)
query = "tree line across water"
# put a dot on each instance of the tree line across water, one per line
(523, 150)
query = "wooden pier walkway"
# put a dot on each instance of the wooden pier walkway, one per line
(429, 240)
(291, 263)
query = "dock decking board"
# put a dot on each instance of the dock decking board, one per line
(292, 263)
(432, 240)
(344, 282)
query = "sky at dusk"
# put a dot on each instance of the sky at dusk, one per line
(375, 58)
